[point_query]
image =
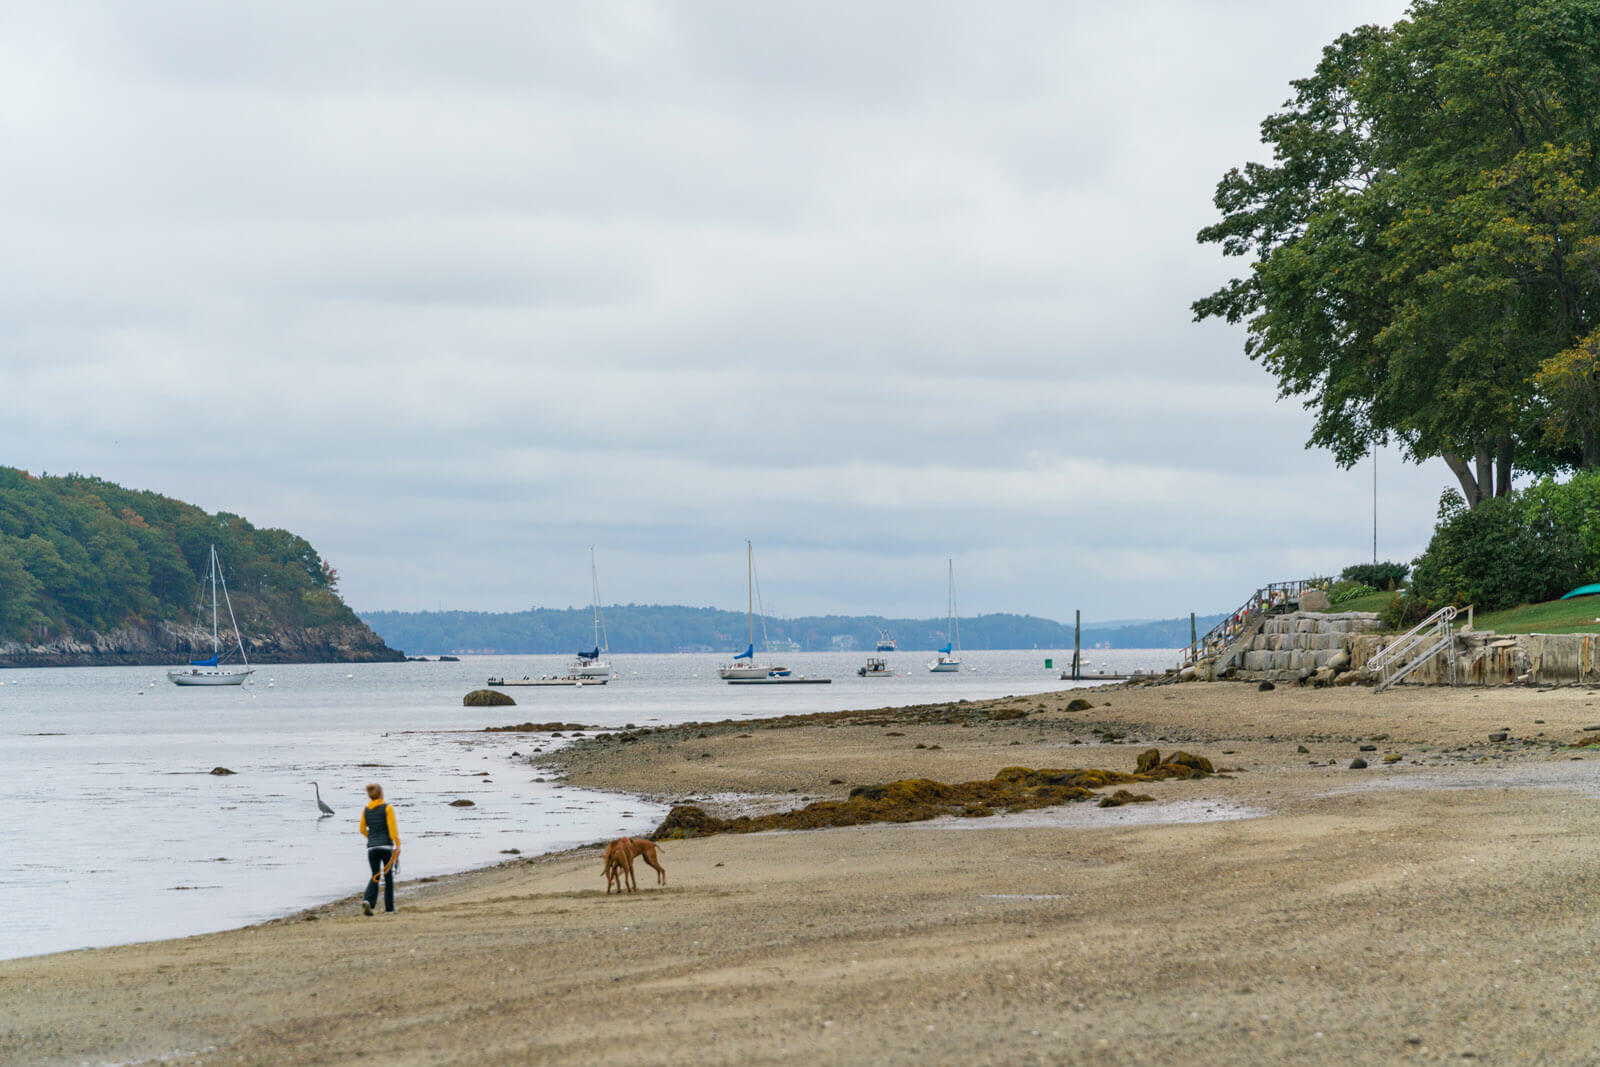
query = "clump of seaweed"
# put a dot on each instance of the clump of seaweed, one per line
(486, 698)
(535, 727)
(920, 799)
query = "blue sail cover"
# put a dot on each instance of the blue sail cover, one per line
(945, 651)
(590, 655)
(748, 653)
(212, 662)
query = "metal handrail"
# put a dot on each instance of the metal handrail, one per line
(1267, 597)
(1410, 638)
(1437, 628)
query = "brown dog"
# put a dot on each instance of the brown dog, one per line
(618, 865)
(645, 849)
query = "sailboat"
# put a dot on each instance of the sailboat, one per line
(210, 671)
(949, 659)
(594, 664)
(744, 664)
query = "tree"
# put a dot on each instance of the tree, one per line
(1426, 242)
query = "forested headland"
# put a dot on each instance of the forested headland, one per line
(670, 628)
(92, 573)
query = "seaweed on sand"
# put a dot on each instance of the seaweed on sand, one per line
(920, 799)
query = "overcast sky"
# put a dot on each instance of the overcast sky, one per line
(457, 290)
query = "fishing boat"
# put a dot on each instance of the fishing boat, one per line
(211, 671)
(744, 666)
(593, 664)
(886, 642)
(948, 660)
(875, 668)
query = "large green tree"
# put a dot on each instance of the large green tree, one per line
(1425, 244)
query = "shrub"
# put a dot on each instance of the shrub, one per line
(1404, 611)
(1378, 575)
(1344, 592)
(1507, 551)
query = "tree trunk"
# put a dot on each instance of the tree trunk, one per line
(1463, 473)
(1504, 450)
(1485, 463)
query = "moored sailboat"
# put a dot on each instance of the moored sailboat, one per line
(211, 671)
(591, 665)
(948, 660)
(744, 666)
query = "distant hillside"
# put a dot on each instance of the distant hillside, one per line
(656, 628)
(91, 572)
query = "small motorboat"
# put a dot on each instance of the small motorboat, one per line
(875, 668)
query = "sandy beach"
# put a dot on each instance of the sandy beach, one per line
(1437, 906)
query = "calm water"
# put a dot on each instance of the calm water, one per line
(113, 830)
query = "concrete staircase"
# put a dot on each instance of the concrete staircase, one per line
(1295, 647)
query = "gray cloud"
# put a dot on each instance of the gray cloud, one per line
(458, 291)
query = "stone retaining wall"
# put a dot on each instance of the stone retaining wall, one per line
(1293, 647)
(1484, 657)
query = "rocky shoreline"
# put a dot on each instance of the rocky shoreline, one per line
(164, 643)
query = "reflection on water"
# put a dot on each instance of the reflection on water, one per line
(113, 829)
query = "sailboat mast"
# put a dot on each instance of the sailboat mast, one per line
(750, 590)
(216, 645)
(955, 614)
(601, 642)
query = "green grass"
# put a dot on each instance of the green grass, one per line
(1580, 615)
(1370, 602)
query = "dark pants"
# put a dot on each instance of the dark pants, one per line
(376, 858)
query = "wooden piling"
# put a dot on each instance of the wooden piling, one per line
(1077, 626)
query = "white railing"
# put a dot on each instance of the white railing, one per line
(1400, 657)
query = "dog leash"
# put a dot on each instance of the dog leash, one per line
(394, 857)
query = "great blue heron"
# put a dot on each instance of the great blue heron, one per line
(326, 811)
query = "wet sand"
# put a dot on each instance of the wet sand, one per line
(1435, 907)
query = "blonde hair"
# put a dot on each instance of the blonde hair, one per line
(375, 791)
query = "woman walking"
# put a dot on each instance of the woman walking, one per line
(383, 848)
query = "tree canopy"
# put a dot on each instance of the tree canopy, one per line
(1425, 244)
(81, 554)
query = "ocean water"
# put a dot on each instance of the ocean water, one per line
(113, 829)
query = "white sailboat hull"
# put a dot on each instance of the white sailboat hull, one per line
(752, 671)
(598, 668)
(208, 676)
(944, 666)
(211, 672)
